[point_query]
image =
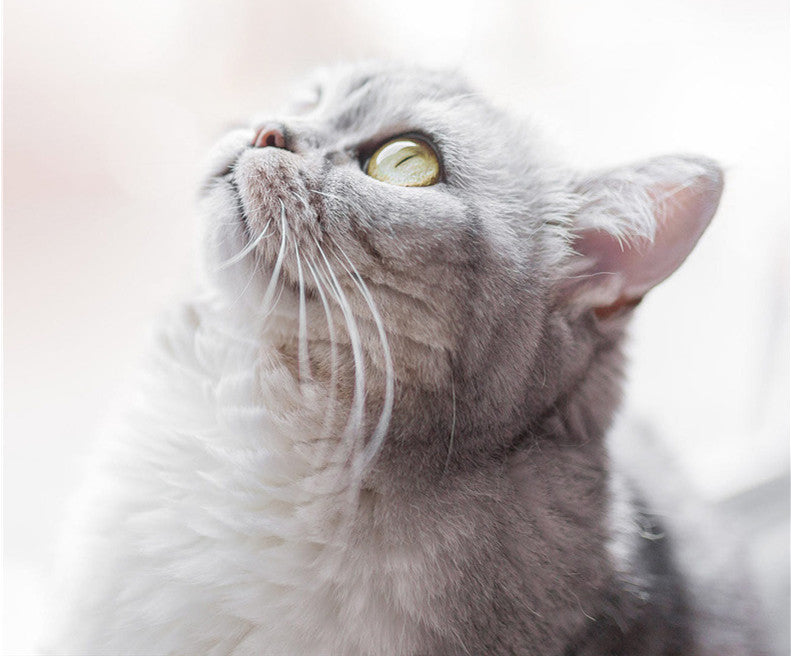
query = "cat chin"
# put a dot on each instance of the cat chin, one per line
(272, 186)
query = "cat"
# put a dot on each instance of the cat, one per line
(379, 427)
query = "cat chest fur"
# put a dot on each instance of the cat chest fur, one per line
(240, 544)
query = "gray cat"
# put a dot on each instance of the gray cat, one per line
(380, 427)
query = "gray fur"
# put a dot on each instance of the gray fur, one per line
(493, 468)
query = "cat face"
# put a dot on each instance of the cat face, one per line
(496, 279)
(424, 251)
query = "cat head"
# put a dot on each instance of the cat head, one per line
(396, 215)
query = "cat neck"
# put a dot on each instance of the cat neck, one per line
(435, 431)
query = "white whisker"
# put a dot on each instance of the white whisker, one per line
(387, 409)
(275, 277)
(304, 356)
(355, 422)
(250, 278)
(328, 419)
(246, 250)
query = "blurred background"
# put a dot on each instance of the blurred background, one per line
(108, 108)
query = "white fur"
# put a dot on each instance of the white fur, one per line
(213, 523)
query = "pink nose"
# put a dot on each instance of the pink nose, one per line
(269, 135)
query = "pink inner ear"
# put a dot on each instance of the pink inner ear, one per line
(681, 214)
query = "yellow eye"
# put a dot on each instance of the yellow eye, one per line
(405, 161)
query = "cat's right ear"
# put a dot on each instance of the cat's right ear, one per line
(635, 226)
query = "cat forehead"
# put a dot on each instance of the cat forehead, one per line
(350, 96)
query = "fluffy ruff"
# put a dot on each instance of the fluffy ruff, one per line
(216, 519)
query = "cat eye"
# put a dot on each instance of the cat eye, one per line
(406, 162)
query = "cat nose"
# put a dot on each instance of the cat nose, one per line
(270, 135)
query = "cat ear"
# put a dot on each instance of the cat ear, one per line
(637, 225)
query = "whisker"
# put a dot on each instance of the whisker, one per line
(246, 250)
(330, 415)
(275, 277)
(304, 356)
(250, 278)
(356, 413)
(348, 484)
(387, 409)
(253, 272)
(350, 443)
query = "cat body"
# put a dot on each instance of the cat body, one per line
(380, 426)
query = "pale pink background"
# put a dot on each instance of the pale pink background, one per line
(109, 106)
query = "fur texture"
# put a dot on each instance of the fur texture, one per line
(379, 429)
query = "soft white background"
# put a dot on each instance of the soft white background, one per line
(109, 106)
